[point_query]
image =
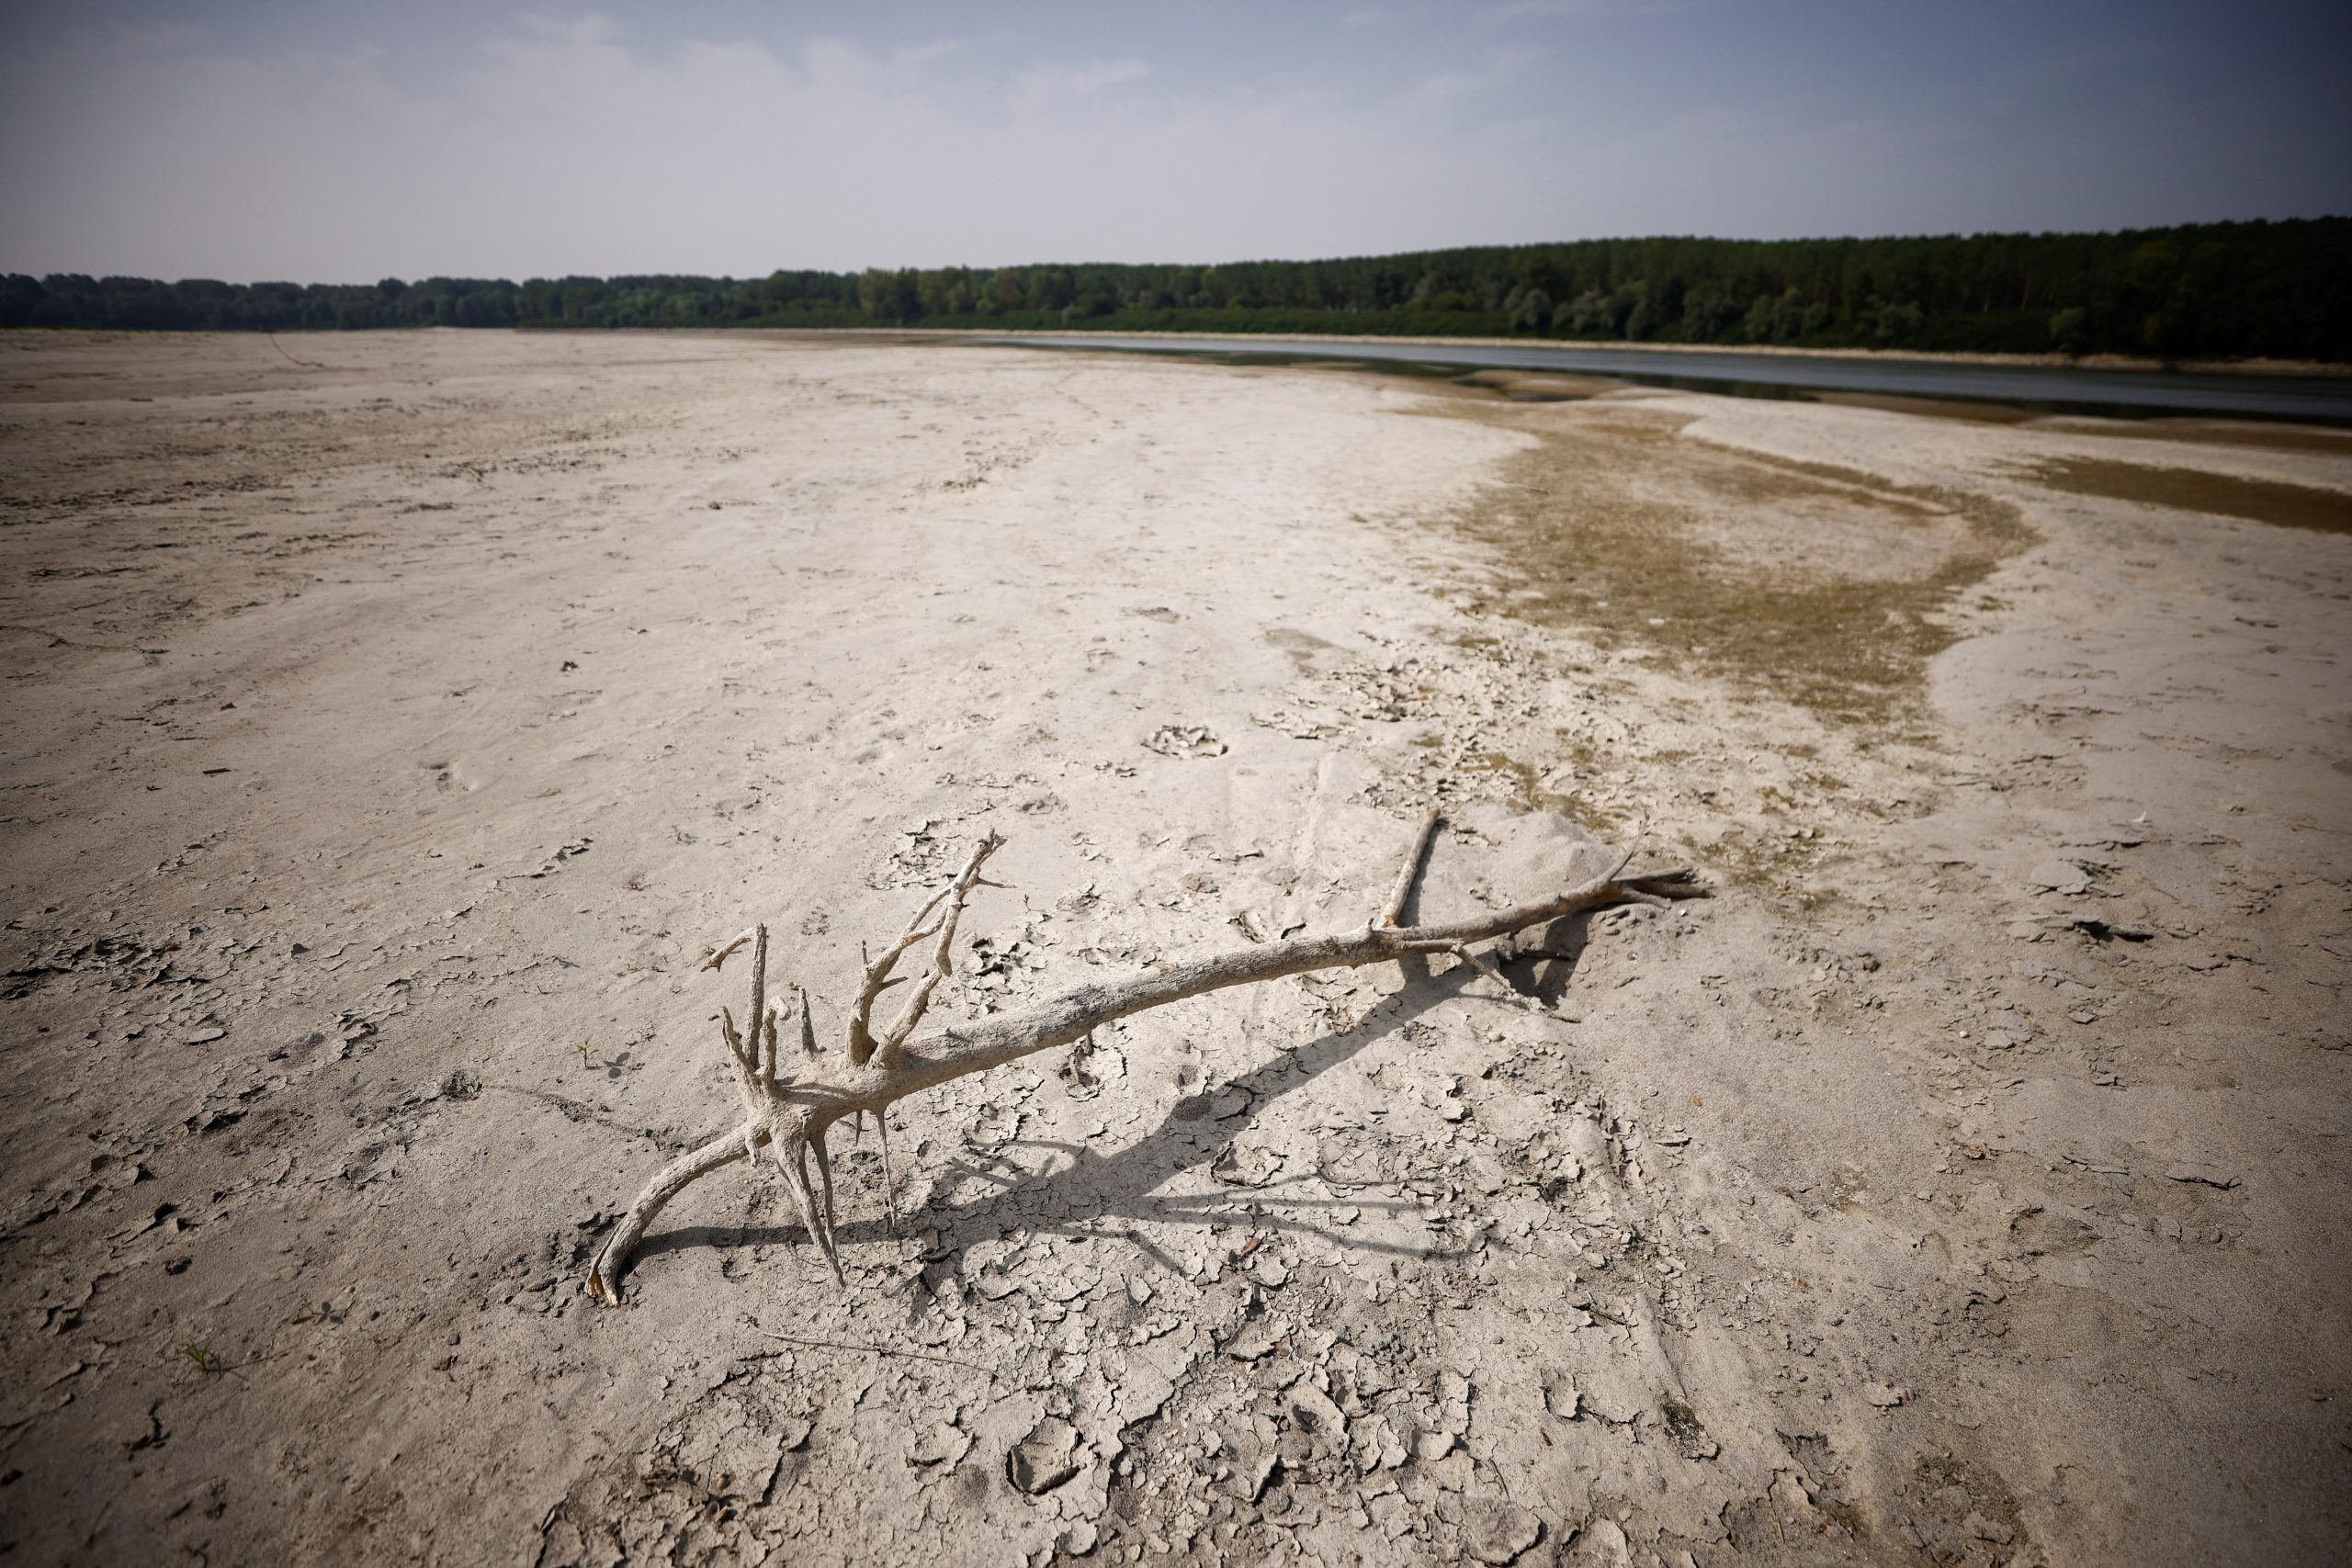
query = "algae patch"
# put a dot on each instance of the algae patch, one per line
(2194, 490)
(1821, 585)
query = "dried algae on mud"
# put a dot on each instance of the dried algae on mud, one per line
(2273, 501)
(1822, 585)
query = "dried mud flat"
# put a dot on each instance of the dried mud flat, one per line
(394, 722)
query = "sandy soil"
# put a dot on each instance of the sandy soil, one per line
(394, 721)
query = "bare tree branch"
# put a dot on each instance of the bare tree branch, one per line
(942, 963)
(877, 971)
(1409, 873)
(759, 1058)
(792, 1118)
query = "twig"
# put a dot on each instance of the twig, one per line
(290, 359)
(890, 1181)
(874, 1350)
(1411, 870)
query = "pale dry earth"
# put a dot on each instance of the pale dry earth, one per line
(394, 722)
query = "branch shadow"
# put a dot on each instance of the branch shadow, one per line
(1541, 964)
(1121, 1185)
(1124, 1183)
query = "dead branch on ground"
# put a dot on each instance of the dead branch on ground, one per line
(789, 1109)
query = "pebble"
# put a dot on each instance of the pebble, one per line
(1983, 1529)
(1494, 1531)
(2058, 876)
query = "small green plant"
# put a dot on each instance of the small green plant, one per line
(205, 1361)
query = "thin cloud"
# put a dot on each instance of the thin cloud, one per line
(920, 55)
(616, 142)
(1555, 10)
(1488, 81)
(1041, 87)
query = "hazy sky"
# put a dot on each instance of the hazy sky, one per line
(341, 142)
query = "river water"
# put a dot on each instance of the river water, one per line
(2046, 388)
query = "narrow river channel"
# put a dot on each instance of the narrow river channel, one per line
(2049, 388)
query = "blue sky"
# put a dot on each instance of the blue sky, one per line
(342, 141)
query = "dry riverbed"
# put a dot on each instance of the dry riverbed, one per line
(394, 722)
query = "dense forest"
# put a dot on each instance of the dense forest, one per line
(2209, 290)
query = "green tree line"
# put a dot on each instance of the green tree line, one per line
(2280, 289)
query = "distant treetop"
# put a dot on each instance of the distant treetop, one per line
(2218, 290)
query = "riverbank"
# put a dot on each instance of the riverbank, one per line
(2020, 386)
(2134, 363)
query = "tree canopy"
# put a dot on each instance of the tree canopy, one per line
(2220, 290)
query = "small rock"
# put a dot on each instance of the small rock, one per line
(1496, 1532)
(1983, 1529)
(206, 1035)
(1884, 1395)
(2058, 876)
(1254, 1343)
(1044, 1459)
(941, 1443)
(1238, 1167)
(1184, 740)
